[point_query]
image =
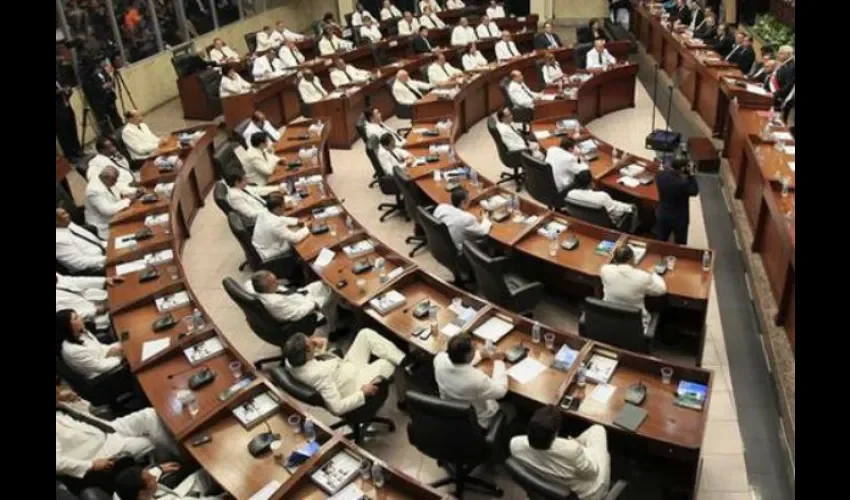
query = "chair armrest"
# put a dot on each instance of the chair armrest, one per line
(535, 287)
(616, 490)
(534, 483)
(302, 392)
(94, 493)
(495, 428)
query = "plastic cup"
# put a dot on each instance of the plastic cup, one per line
(173, 273)
(671, 262)
(553, 247)
(549, 339)
(189, 321)
(236, 369)
(378, 476)
(365, 469)
(361, 285)
(294, 421)
(666, 375)
(332, 229)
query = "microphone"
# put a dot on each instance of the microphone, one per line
(181, 372)
(262, 442)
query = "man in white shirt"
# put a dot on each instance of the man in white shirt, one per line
(136, 483)
(463, 34)
(85, 443)
(443, 74)
(389, 11)
(409, 25)
(506, 48)
(268, 39)
(76, 248)
(310, 88)
(391, 156)
(221, 53)
(407, 90)
(431, 4)
(258, 163)
(346, 383)
(274, 235)
(79, 293)
(232, 82)
(512, 138)
(520, 94)
(460, 381)
(455, 4)
(599, 57)
(583, 191)
(430, 20)
(495, 10)
(247, 200)
(473, 59)
(105, 198)
(581, 464)
(345, 75)
(359, 16)
(462, 225)
(623, 283)
(109, 156)
(290, 56)
(565, 164)
(267, 66)
(140, 141)
(330, 43)
(375, 126)
(293, 305)
(370, 31)
(487, 29)
(259, 123)
(288, 35)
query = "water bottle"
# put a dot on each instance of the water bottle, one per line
(515, 202)
(322, 189)
(197, 319)
(309, 430)
(452, 155)
(378, 477)
(706, 261)
(786, 186)
(536, 334)
(349, 223)
(473, 177)
(581, 380)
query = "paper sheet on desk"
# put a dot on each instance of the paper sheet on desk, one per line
(130, 267)
(542, 134)
(525, 371)
(325, 257)
(757, 89)
(629, 181)
(493, 329)
(154, 347)
(350, 492)
(602, 393)
(266, 491)
(782, 136)
(790, 150)
(123, 242)
(419, 130)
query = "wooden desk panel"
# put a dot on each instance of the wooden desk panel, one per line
(131, 292)
(161, 240)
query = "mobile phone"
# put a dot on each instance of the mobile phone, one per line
(123, 336)
(199, 440)
(426, 334)
(420, 330)
(570, 403)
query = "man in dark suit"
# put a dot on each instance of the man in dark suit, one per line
(782, 80)
(725, 40)
(676, 185)
(547, 39)
(100, 93)
(421, 45)
(742, 52)
(681, 13)
(66, 123)
(760, 69)
(707, 32)
(697, 15)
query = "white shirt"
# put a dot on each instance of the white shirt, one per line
(461, 224)
(311, 91)
(349, 75)
(357, 17)
(290, 58)
(140, 141)
(89, 358)
(565, 166)
(222, 54)
(521, 95)
(266, 42)
(78, 249)
(101, 204)
(273, 236)
(616, 209)
(472, 61)
(511, 137)
(262, 69)
(497, 12)
(233, 86)
(435, 7)
(332, 45)
(506, 50)
(259, 164)
(596, 60)
(70, 292)
(408, 28)
(252, 129)
(404, 95)
(379, 129)
(628, 285)
(490, 30)
(439, 73)
(389, 160)
(101, 161)
(291, 36)
(455, 4)
(461, 37)
(552, 73)
(389, 13)
(249, 202)
(431, 21)
(371, 32)
(468, 384)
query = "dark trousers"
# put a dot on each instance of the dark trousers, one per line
(675, 226)
(106, 113)
(66, 133)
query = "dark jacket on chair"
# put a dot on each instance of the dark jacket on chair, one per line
(724, 45)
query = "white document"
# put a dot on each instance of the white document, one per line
(791, 165)
(162, 257)
(542, 134)
(395, 273)
(629, 181)
(267, 491)
(154, 347)
(757, 89)
(123, 242)
(171, 302)
(548, 97)
(790, 150)
(325, 257)
(450, 330)
(525, 371)
(130, 267)
(419, 130)
(602, 393)
(782, 136)
(493, 329)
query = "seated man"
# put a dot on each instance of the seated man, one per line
(310, 88)
(512, 138)
(140, 141)
(759, 68)
(76, 248)
(742, 52)
(274, 234)
(406, 90)
(548, 39)
(462, 225)
(360, 15)
(259, 123)
(288, 35)
(108, 155)
(782, 81)
(521, 96)
(330, 43)
(105, 198)
(389, 11)
(370, 31)
(136, 483)
(420, 43)
(221, 53)
(599, 57)
(495, 10)
(268, 39)
(430, 20)
(290, 56)
(724, 40)
(487, 29)
(258, 163)
(391, 156)
(460, 381)
(75, 292)
(623, 283)
(343, 75)
(232, 83)
(441, 73)
(583, 190)
(433, 5)
(292, 305)
(409, 25)
(86, 444)
(247, 200)
(565, 164)
(463, 34)
(455, 4)
(267, 66)
(473, 59)
(506, 48)
(345, 384)
(581, 464)
(707, 31)
(375, 126)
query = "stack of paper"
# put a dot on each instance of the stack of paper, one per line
(362, 247)
(569, 124)
(564, 358)
(552, 229)
(525, 371)
(494, 329)
(600, 368)
(387, 302)
(153, 347)
(172, 302)
(130, 267)
(438, 149)
(253, 411)
(312, 179)
(542, 134)
(337, 472)
(325, 257)
(157, 220)
(629, 181)
(157, 258)
(203, 351)
(494, 203)
(633, 170)
(327, 212)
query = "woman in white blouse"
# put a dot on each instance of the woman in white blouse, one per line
(551, 69)
(473, 59)
(232, 83)
(81, 350)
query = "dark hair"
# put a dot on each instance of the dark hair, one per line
(469, 46)
(422, 28)
(238, 138)
(680, 164)
(64, 330)
(386, 139)
(460, 348)
(459, 195)
(234, 178)
(266, 27)
(623, 254)
(598, 39)
(128, 114)
(768, 50)
(227, 68)
(258, 281)
(255, 115)
(100, 144)
(543, 427)
(257, 138)
(582, 179)
(295, 349)
(129, 483)
(273, 201)
(502, 113)
(567, 143)
(327, 16)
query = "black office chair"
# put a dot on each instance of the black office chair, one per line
(523, 115)
(616, 324)
(580, 53)
(285, 265)
(540, 182)
(358, 420)
(242, 126)
(449, 432)
(225, 161)
(506, 289)
(540, 488)
(263, 324)
(584, 35)
(251, 41)
(413, 199)
(220, 197)
(588, 212)
(211, 82)
(385, 182)
(115, 388)
(441, 246)
(401, 110)
(510, 159)
(118, 141)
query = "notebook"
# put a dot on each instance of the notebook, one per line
(630, 417)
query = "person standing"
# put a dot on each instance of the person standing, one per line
(66, 124)
(676, 185)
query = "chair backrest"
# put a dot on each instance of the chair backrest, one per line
(581, 50)
(439, 240)
(503, 87)
(211, 82)
(445, 430)
(360, 127)
(187, 64)
(489, 274)
(508, 159)
(118, 140)
(379, 53)
(540, 182)
(241, 127)
(615, 324)
(302, 392)
(413, 197)
(251, 41)
(584, 35)
(244, 235)
(536, 486)
(220, 197)
(386, 183)
(588, 212)
(225, 160)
